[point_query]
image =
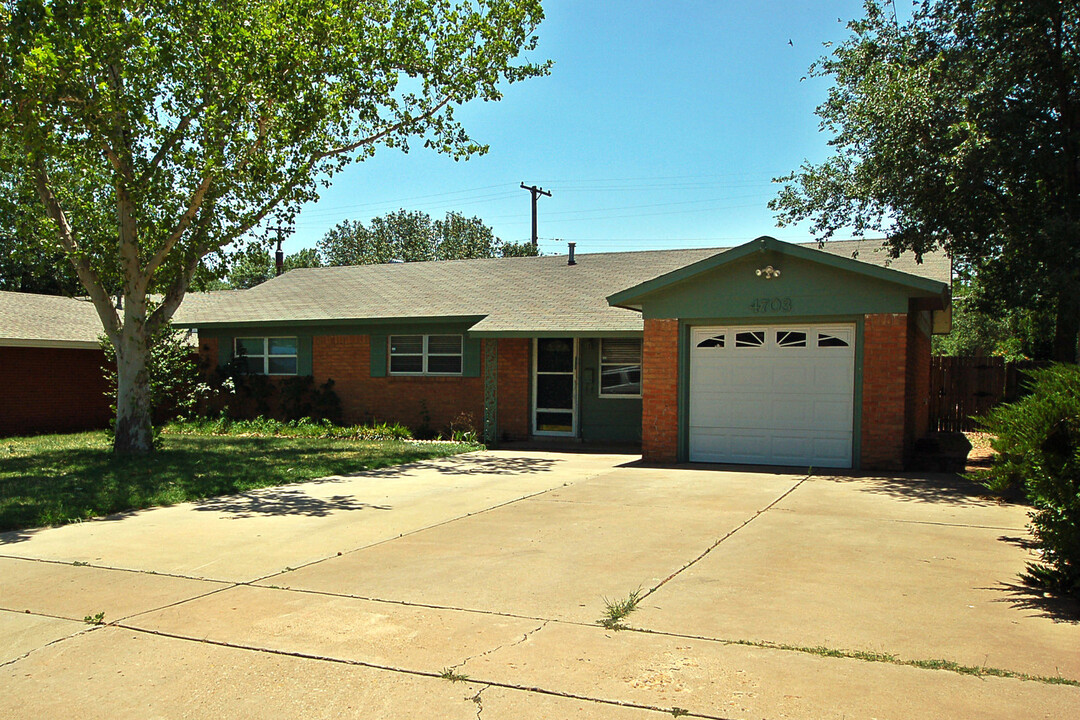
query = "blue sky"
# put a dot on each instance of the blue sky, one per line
(661, 125)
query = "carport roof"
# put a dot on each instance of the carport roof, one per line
(526, 296)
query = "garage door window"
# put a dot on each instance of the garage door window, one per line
(830, 340)
(716, 341)
(790, 339)
(750, 338)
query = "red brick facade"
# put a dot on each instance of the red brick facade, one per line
(660, 391)
(513, 388)
(884, 386)
(52, 390)
(412, 401)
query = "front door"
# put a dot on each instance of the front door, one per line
(555, 387)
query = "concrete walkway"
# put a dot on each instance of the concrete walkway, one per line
(471, 587)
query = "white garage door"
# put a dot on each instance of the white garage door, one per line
(773, 395)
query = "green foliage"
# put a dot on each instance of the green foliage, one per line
(1018, 334)
(412, 236)
(256, 265)
(302, 428)
(959, 129)
(58, 479)
(157, 134)
(521, 249)
(1038, 444)
(616, 610)
(173, 374)
(95, 619)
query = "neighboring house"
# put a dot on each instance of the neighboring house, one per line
(51, 363)
(767, 353)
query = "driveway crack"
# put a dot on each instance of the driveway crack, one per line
(495, 649)
(699, 558)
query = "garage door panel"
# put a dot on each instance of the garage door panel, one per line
(772, 404)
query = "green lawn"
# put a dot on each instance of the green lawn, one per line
(58, 479)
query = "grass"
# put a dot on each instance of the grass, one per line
(616, 610)
(449, 673)
(59, 479)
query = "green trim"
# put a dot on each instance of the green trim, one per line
(856, 410)
(631, 297)
(304, 355)
(470, 357)
(556, 333)
(359, 325)
(377, 352)
(682, 447)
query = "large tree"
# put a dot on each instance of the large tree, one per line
(158, 132)
(959, 129)
(412, 236)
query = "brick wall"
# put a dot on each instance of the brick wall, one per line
(884, 383)
(918, 383)
(514, 381)
(52, 390)
(660, 390)
(347, 360)
(208, 353)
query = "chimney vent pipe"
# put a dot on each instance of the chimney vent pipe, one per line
(570, 259)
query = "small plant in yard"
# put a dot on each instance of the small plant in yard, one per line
(95, 619)
(452, 675)
(616, 610)
(679, 712)
(1038, 445)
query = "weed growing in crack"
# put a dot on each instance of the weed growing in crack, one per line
(449, 673)
(95, 619)
(616, 610)
(679, 712)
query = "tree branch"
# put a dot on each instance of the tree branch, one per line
(89, 279)
(181, 227)
(382, 133)
(169, 142)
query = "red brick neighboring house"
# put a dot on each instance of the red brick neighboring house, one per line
(50, 365)
(767, 353)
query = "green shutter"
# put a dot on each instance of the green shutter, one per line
(470, 357)
(225, 350)
(378, 356)
(303, 355)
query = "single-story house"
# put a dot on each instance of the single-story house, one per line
(767, 353)
(52, 365)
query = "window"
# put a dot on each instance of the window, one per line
(750, 338)
(620, 367)
(790, 339)
(266, 356)
(716, 341)
(832, 339)
(425, 354)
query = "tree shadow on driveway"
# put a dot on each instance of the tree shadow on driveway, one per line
(472, 464)
(283, 501)
(931, 488)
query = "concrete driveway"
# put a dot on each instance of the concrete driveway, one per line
(471, 587)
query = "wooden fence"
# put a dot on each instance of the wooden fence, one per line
(964, 387)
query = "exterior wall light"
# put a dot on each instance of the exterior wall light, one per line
(768, 272)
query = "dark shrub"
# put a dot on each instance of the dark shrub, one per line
(1038, 441)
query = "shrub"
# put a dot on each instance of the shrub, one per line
(1038, 444)
(269, 427)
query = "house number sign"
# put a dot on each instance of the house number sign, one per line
(771, 305)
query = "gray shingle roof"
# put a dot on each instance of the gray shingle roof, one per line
(506, 295)
(29, 320)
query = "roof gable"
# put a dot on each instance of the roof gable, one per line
(632, 297)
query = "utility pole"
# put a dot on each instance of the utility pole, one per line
(536, 193)
(279, 256)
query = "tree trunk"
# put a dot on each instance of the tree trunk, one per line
(134, 421)
(1067, 331)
